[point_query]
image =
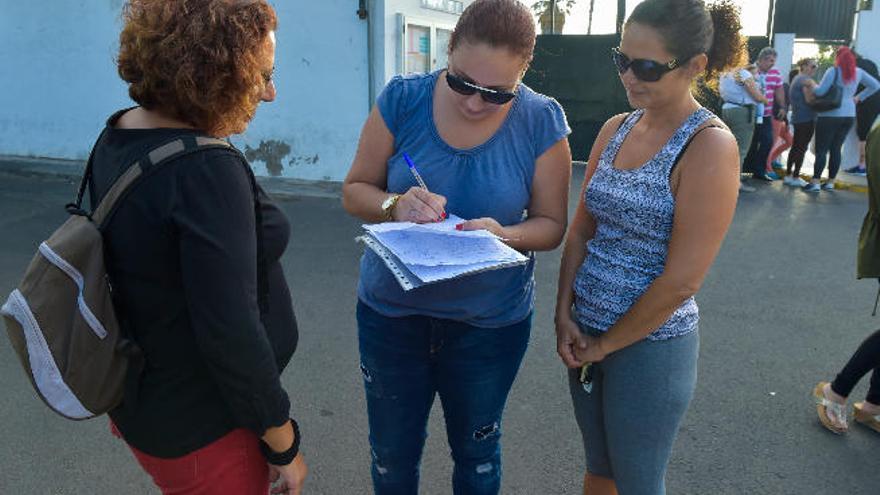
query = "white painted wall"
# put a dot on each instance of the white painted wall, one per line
(868, 33)
(58, 76)
(867, 43)
(387, 33)
(784, 45)
(60, 84)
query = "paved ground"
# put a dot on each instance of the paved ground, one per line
(781, 310)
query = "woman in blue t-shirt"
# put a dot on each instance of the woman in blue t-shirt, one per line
(491, 151)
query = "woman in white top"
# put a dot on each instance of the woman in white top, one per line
(741, 95)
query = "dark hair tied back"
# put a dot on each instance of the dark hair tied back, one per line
(690, 27)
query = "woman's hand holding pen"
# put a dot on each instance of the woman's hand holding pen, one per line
(418, 205)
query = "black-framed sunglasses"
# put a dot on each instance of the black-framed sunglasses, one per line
(489, 95)
(644, 70)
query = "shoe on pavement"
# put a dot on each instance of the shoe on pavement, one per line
(860, 172)
(798, 182)
(772, 176)
(787, 180)
(812, 188)
(865, 418)
(832, 414)
(745, 188)
(828, 186)
(763, 177)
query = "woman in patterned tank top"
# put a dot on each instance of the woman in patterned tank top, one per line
(659, 194)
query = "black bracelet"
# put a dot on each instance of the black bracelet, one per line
(286, 457)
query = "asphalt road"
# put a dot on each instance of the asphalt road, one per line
(781, 309)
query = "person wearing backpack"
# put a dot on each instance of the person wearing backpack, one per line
(832, 125)
(192, 253)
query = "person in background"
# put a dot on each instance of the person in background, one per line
(490, 150)
(832, 126)
(771, 80)
(658, 197)
(742, 99)
(194, 252)
(866, 113)
(831, 397)
(803, 118)
(782, 137)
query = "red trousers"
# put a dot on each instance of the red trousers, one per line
(231, 465)
(782, 140)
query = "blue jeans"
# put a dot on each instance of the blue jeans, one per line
(405, 362)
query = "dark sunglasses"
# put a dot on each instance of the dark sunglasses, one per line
(489, 95)
(644, 70)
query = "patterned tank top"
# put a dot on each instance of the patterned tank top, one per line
(633, 210)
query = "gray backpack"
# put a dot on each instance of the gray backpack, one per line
(61, 319)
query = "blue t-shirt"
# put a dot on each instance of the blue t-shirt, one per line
(493, 179)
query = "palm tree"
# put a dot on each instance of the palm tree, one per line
(551, 14)
(590, 21)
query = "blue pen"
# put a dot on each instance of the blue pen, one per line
(418, 176)
(415, 172)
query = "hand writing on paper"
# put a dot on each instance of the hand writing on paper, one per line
(420, 206)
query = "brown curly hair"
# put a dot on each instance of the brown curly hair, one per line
(199, 61)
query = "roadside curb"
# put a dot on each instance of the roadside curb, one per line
(839, 185)
(278, 187)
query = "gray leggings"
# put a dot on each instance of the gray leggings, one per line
(631, 416)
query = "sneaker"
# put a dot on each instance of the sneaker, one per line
(787, 180)
(811, 188)
(798, 182)
(744, 188)
(763, 177)
(857, 170)
(828, 186)
(772, 176)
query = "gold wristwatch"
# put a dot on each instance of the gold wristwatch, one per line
(388, 206)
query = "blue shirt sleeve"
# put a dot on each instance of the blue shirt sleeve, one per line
(552, 127)
(390, 103)
(871, 85)
(827, 81)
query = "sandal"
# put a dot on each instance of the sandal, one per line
(831, 414)
(872, 422)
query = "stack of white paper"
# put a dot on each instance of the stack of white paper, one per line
(419, 254)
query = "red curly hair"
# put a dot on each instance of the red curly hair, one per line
(846, 60)
(199, 61)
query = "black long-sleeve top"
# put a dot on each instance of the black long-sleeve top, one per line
(181, 255)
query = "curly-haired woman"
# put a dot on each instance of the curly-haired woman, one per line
(183, 251)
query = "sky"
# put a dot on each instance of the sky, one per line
(754, 13)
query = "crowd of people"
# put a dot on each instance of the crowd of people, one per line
(769, 115)
(193, 253)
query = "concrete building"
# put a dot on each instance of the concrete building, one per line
(333, 57)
